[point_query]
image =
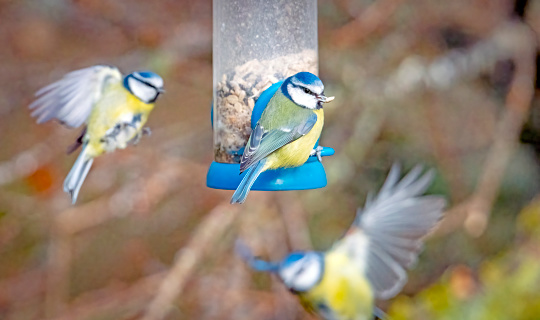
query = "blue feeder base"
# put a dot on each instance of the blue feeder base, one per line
(310, 175)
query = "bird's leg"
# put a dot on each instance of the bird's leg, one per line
(111, 134)
(317, 152)
(135, 140)
(134, 124)
(144, 132)
(118, 128)
(114, 132)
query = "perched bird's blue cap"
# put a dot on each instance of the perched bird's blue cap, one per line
(306, 90)
(308, 78)
(302, 78)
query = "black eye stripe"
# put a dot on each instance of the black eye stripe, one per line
(302, 268)
(148, 84)
(306, 90)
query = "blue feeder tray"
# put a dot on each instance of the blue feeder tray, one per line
(310, 175)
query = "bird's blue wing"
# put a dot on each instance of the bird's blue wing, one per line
(263, 142)
(71, 99)
(388, 232)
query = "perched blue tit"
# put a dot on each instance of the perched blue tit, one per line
(114, 109)
(369, 262)
(287, 131)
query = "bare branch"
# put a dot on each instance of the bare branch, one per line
(204, 237)
(372, 18)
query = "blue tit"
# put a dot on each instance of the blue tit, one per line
(371, 259)
(112, 107)
(287, 131)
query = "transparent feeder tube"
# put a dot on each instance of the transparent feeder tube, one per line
(256, 43)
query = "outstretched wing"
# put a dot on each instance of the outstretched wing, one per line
(71, 99)
(386, 237)
(262, 142)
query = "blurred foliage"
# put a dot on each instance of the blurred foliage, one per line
(505, 286)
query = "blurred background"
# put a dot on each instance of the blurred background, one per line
(449, 84)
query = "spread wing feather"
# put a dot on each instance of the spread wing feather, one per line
(388, 232)
(71, 99)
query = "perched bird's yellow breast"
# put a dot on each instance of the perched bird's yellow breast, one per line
(343, 292)
(297, 152)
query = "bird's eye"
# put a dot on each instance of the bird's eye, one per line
(306, 90)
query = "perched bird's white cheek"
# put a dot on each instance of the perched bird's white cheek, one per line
(303, 99)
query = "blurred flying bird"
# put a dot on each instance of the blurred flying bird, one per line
(113, 108)
(287, 131)
(371, 259)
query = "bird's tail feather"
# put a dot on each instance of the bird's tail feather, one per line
(77, 174)
(245, 185)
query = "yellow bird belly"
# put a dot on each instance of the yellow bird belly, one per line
(117, 105)
(343, 292)
(296, 153)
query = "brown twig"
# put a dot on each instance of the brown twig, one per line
(372, 18)
(77, 219)
(444, 147)
(145, 192)
(58, 274)
(294, 220)
(367, 128)
(125, 301)
(204, 237)
(518, 102)
(513, 40)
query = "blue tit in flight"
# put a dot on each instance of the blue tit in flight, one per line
(287, 131)
(112, 107)
(371, 259)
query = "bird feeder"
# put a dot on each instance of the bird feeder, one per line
(256, 45)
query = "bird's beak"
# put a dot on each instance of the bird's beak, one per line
(161, 90)
(324, 99)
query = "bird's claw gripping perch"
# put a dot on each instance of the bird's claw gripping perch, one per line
(317, 152)
(146, 131)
